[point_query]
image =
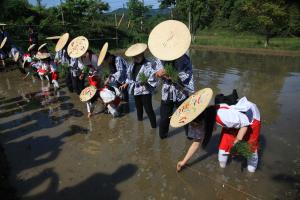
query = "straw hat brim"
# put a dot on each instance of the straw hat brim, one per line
(3, 42)
(31, 47)
(78, 46)
(61, 43)
(87, 93)
(42, 56)
(169, 40)
(102, 54)
(136, 49)
(53, 38)
(191, 108)
(42, 46)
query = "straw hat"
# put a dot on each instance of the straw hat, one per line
(78, 46)
(31, 47)
(191, 108)
(87, 93)
(102, 54)
(3, 42)
(53, 38)
(135, 49)
(61, 43)
(169, 40)
(42, 56)
(42, 46)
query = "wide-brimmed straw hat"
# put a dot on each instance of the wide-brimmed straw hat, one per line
(191, 108)
(31, 47)
(3, 43)
(61, 43)
(87, 93)
(102, 54)
(53, 37)
(78, 46)
(135, 49)
(42, 56)
(169, 40)
(42, 46)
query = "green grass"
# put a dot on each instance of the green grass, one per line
(244, 40)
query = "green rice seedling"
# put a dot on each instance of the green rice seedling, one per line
(143, 78)
(62, 69)
(241, 148)
(105, 73)
(171, 72)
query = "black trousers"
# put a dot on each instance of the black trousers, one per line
(77, 84)
(166, 111)
(68, 80)
(145, 101)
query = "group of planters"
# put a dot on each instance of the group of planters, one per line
(110, 79)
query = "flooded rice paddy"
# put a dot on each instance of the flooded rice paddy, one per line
(56, 152)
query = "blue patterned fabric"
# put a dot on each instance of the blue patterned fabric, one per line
(121, 71)
(178, 92)
(135, 86)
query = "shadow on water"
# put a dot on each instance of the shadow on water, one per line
(95, 187)
(34, 149)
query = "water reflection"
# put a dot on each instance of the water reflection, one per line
(260, 78)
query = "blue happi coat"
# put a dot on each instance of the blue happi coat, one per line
(178, 92)
(135, 86)
(120, 74)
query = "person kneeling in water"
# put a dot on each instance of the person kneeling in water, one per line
(110, 96)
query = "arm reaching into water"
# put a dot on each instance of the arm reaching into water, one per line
(193, 148)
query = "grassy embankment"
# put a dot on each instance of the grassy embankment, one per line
(221, 38)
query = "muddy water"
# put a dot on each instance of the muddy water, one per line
(56, 152)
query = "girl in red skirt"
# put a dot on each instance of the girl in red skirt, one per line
(240, 121)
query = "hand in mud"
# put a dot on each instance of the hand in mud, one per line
(160, 73)
(124, 86)
(179, 166)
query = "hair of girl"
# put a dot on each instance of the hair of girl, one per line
(230, 99)
(209, 116)
(107, 55)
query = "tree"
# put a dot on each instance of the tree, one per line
(272, 20)
(83, 10)
(136, 13)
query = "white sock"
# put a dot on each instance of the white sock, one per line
(223, 157)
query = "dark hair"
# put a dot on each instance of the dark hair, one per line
(230, 99)
(209, 118)
(107, 55)
(209, 123)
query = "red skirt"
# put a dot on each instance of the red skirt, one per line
(93, 81)
(228, 136)
(54, 75)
